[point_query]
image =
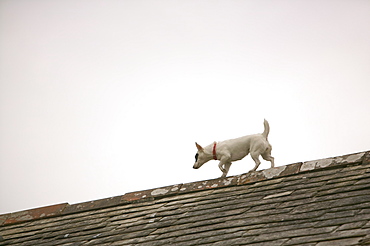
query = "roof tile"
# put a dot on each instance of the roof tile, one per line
(33, 214)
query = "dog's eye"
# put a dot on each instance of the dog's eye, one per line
(196, 157)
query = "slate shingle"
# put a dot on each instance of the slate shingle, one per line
(318, 203)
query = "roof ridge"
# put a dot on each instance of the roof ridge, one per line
(151, 194)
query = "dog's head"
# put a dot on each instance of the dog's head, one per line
(200, 157)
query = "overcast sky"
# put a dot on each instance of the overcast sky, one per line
(103, 97)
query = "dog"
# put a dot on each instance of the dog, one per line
(236, 149)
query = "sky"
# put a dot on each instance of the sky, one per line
(103, 97)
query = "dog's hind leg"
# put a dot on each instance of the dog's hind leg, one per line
(255, 156)
(267, 156)
(270, 159)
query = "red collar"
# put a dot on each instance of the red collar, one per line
(214, 151)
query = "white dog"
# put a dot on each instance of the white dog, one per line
(236, 149)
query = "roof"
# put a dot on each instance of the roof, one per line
(321, 202)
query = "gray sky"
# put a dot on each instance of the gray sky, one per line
(103, 97)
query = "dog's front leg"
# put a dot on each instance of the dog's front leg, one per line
(221, 167)
(224, 166)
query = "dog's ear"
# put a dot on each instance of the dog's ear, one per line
(200, 148)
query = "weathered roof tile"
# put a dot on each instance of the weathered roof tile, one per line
(33, 214)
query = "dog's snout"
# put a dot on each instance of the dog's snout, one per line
(195, 167)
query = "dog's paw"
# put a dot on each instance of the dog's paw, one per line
(223, 176)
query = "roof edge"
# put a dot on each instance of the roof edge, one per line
(151, 194)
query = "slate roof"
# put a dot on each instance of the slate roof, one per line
(316, 203)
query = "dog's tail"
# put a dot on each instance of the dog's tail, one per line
(267, 128)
